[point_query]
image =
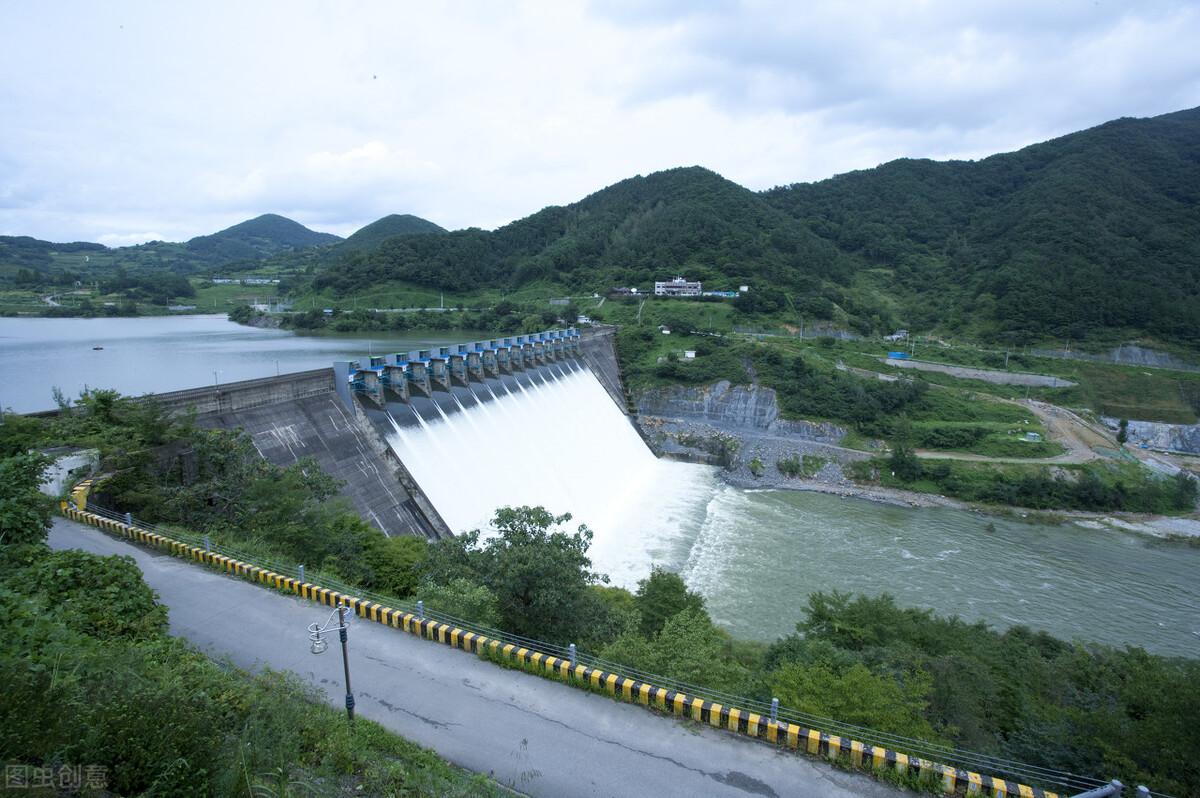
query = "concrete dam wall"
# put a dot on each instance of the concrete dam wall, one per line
(301, 415)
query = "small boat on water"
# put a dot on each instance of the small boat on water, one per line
(97, 348)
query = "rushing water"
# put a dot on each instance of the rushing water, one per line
(553, 437)
(163, 353)
(779, 546)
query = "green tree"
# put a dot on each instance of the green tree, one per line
(396, 563)
(24, 510)
(19, 434)
(539, 574)
(661, 596)
(855, 695)
(688, 648)
(462, 598)
(904, 462)
(1123, 431)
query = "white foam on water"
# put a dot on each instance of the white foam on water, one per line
(562, 443)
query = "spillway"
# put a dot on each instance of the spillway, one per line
(552, 436)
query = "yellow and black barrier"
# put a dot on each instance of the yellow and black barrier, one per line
(751, 724)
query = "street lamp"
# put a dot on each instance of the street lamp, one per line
(319, 644)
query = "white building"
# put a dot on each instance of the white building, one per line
(680, 286)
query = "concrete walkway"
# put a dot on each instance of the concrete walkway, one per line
(537, 736)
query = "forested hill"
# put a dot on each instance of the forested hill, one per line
(1097, 229)
(1093, 237)
(26, 261)
(396, 224)
(631, 233)
(259, 237)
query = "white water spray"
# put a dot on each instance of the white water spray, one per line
(561, 443)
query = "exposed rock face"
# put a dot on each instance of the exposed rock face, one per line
(1156, 435)
(732, 406)
(1140, 356)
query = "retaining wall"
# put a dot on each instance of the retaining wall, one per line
(236, 396)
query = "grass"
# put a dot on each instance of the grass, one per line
(1109, 389)
(223, 298)
(987, 438)
(1134, 391)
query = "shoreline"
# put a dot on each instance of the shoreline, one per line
(1160, 527)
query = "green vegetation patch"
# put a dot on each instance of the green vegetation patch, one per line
(1101, 487)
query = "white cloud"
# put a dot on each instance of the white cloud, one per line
(185, 119)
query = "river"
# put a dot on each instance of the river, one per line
(754, 555)
(758, 554)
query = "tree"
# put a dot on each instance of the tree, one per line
(1123, 431)
(904, 463)
(395, 563)
(24, 510)
(661, 596)
(540, 575)
(688, 648)
(855, 695)
(462, 598)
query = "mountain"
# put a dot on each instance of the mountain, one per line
(1091, 232)
(1094, 236)
(260, 237)
(378, 231)
(27, 262)
(640, 229)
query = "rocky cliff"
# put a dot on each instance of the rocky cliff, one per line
(1172, 437)
(723, 405)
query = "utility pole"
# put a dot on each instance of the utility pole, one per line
(319, 645)
(346, 663)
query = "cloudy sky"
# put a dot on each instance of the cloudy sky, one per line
(124, 122)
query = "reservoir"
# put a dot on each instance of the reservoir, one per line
(754, 555)
(155, 354)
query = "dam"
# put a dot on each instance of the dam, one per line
(430, 442)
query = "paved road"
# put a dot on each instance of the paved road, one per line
(536, 736)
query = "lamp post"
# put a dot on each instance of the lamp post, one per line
(319, 644)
